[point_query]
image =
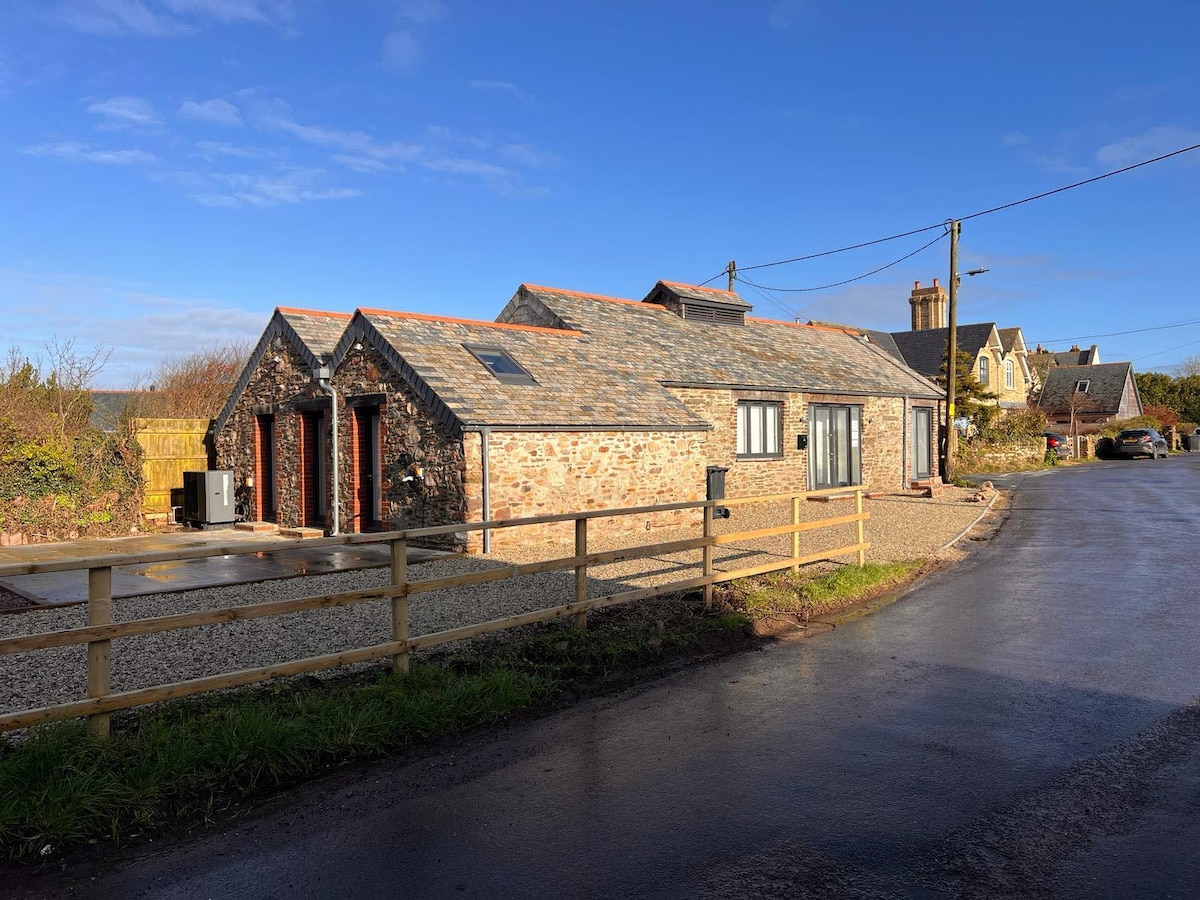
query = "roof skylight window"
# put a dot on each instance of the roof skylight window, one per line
(501, 364)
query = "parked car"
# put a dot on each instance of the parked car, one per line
(1057, 443)
(1141, 442)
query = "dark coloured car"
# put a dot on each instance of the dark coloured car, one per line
(1141, 442)
(1057, 443)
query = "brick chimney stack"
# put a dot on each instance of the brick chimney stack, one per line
(929, 306)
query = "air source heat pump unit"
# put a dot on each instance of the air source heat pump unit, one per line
(208, 498)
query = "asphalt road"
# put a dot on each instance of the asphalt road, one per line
(1023, 726)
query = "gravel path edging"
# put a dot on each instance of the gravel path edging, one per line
(979, 518)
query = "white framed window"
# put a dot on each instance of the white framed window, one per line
(1009, 375)
(983, 370)
(1081, 387)
(759, 429)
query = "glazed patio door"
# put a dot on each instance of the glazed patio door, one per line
(922, 428)
(834, 454)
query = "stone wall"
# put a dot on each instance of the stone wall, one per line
(411, 437)
(543, 473)
(408, 433)
(281, 380)
(883, 437)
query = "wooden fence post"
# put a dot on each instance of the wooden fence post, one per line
(858, 508)
(795, 534)
(99, 671)
(400, 661)
(708, 557)
(581, 571)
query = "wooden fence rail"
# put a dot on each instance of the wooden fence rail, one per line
(101, 630)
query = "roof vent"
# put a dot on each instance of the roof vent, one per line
(700, 304)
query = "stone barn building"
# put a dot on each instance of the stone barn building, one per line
(567, 402)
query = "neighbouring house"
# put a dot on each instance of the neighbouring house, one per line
(1042, 361)
(1080, 399)
(567, 402)
(999, 356)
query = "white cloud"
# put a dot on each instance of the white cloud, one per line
(211, 150)
(260, 190)
(421, 11)
(400, 51)
(265, 12)
(167, 18)
(784, 12)
(75, 151)
(126, 112)
(215, 112)
(502, 87)
(366, 165)
(530, 156)
(363, 153)
(111, 17)
(142, 328)
(1155, 142)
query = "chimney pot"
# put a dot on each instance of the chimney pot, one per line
(935, 284)
(916, 285)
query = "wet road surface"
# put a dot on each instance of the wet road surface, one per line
(1024, 726)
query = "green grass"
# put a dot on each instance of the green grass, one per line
(186, 760)
(805, 594)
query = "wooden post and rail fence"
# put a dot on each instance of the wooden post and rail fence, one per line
(101, 630)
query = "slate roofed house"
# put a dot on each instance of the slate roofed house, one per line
(998, 355)
(1080, 399)
(567, 402)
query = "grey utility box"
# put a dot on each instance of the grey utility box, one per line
(208, 498)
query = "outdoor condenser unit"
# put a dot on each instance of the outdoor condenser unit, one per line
(208, 498)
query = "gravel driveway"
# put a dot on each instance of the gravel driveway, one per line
(902, 526)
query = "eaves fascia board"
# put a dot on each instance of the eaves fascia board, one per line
(278, 326)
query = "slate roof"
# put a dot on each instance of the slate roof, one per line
(705, 294)
(760, 354)
(109, 406)
(1008, 338)
(318, 332)
(885, 341)
(314, 335)
(1077, 357)
(923, 350)
(596, 362)
(1106, 388)
(579, 381)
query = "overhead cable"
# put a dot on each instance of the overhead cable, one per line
(984, 212)
(823, 287)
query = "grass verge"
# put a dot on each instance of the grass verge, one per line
(188, 760)
(806, 595)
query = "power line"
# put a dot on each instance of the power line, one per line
(787, 309)
(834, 284)
(714, 278)
(985, 212)
(1168, 350)
(1086, 337)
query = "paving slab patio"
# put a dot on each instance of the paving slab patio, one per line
(68, 587)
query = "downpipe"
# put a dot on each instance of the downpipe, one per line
(323, 375)
(487, 493)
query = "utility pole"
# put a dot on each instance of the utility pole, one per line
(732, 270)
(951, 356)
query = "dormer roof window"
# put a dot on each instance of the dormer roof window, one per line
(700, 304)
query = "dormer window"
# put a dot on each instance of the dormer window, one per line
(1081, 387)
(501, 364)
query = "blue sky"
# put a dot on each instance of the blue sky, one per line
(175, 169)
